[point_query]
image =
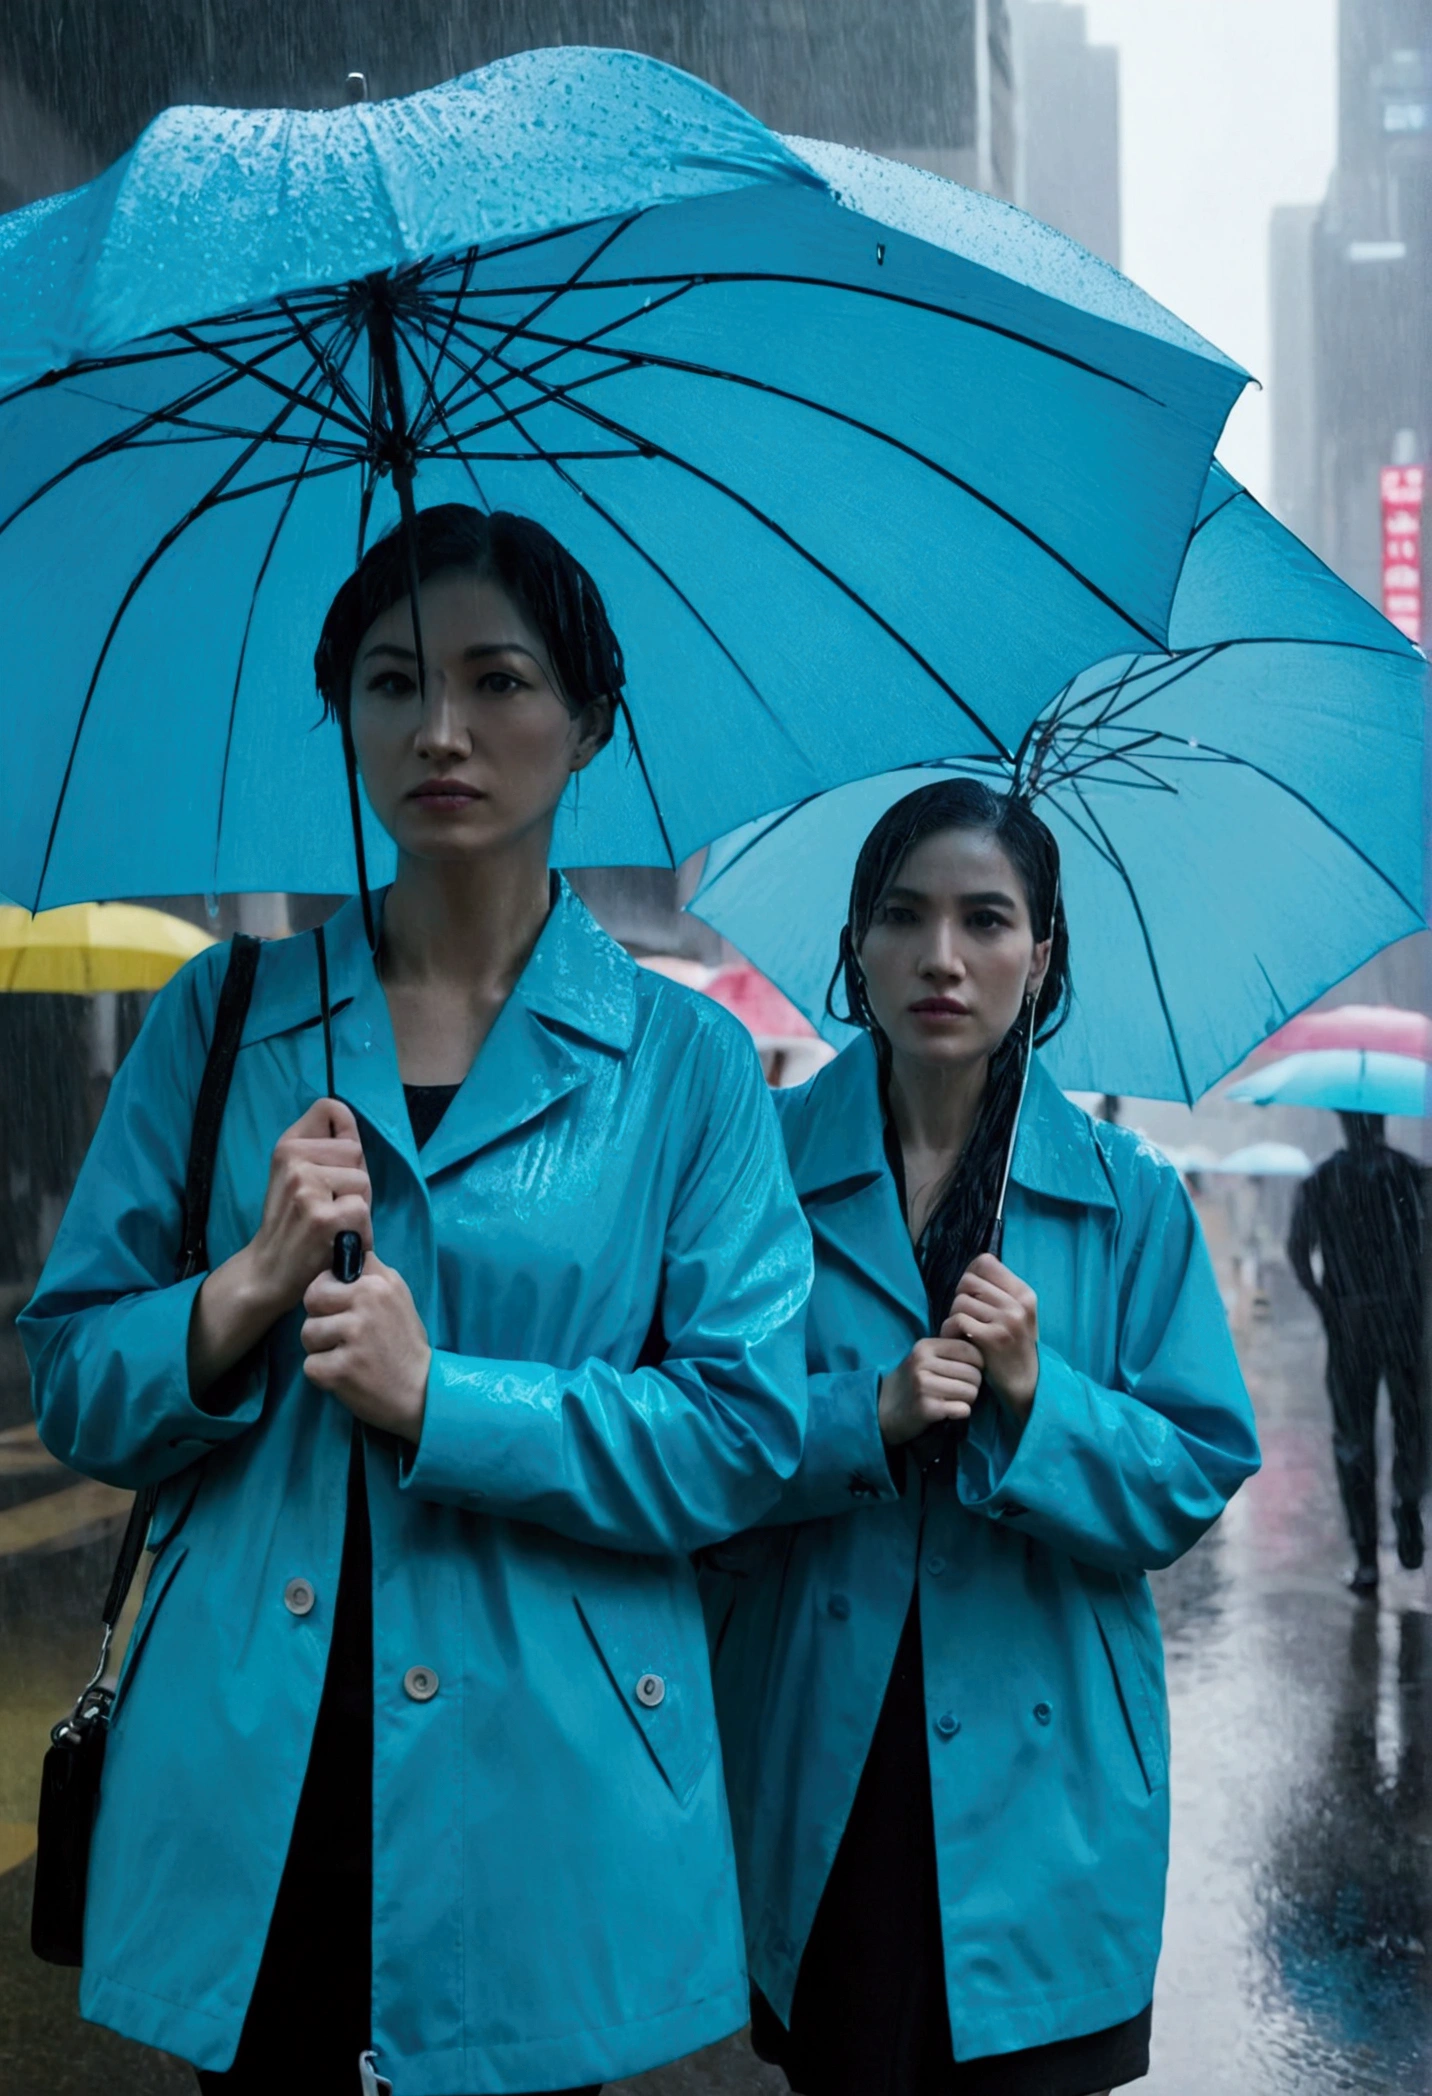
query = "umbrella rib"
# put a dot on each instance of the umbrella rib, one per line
(208, 389)
(708, 277)
(428, 376)
(263, 568)
(577, 344)
(1208, 518)
(555, 460)
(152, 560)
(1210, 752)
(658, 361)
(545, 303)
(652, 450)
(321, 362)
(622, 705)
(552, 459)
(1116, 861)
(165, 351)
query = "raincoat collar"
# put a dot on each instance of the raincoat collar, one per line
(840, 1136)
(576, 993)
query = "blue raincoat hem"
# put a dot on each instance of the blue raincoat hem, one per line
(211, 2042)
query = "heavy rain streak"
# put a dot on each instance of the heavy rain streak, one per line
(967, 658)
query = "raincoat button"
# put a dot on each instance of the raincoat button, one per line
(1043, 1713)
(650, 1691)
(839, 1607)
(298, 1597)
(934, 1566)
(421, 1683)
(947, 1725)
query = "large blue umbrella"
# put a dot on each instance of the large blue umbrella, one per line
(865, 464)
(1344, 1080)
(1240, 821)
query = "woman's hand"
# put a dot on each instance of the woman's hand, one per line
(318, 1185)
(939, 1379)
(996, 1312)
(366, 1346)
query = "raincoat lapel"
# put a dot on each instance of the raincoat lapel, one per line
(837, 1152)
(576, 996)
(365, 1061)
(1056, 1151)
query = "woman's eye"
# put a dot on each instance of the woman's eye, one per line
(986, 921)
(499, 683)
(897, 913)
(391, 684)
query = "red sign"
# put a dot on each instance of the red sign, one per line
(1402, 548)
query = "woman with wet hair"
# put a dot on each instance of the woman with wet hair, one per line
(411, 1777)
(939, 1674)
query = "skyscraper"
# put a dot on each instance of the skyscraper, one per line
(1069, 124)
(1352, 301)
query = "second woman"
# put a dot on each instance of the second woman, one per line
(941, 1684)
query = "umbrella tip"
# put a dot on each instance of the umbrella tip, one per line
(357, 87)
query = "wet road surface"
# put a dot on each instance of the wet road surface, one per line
(1300, 1900)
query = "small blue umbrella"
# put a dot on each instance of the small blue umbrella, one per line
(866, 465)
(1240, 821)
(1264, 1161)
(1346, 1080)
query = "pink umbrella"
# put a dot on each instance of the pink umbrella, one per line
(1369, 1026)
(759, 1005)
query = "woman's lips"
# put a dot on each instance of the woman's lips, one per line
(445, 793)
(941, 1008)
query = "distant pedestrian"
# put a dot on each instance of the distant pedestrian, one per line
(1356, 1248)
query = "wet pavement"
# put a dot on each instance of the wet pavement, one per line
(1300, 1899)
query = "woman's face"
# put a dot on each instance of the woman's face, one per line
(481, 758)
(950, 953)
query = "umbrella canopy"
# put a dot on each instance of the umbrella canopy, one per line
(1265, 1161)
(1347, 1080)
(1240, 821)
(1384, 1027)
(796, 408)
(86, 948)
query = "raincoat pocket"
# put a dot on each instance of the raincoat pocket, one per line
(161, 1578)
(651, 1641)
(1141, 1705)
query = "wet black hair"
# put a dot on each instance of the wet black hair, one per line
(962, 1220)
(536, 570)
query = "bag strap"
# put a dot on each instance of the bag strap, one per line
(229, 1019)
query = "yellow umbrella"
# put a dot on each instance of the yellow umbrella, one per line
(92, 946)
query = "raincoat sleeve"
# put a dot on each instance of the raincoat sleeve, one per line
(1128, 1476)
(107, 1331)
(844, 1463)
(661, 1459)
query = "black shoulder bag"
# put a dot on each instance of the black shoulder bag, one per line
(69, 1784)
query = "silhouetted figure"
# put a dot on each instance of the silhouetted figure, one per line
(1356, 1248)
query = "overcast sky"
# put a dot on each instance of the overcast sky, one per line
(1228, 107)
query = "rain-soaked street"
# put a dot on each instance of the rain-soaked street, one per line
(1300, 1903)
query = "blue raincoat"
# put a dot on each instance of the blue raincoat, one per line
(554, 1896)
(1044, 1688)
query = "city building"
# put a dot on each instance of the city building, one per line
(1351, 286)
(1068, 124)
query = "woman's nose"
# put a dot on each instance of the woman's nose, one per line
(943, 958)
(442, 730)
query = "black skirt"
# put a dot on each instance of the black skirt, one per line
(870, 2015)
(308, 2021)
